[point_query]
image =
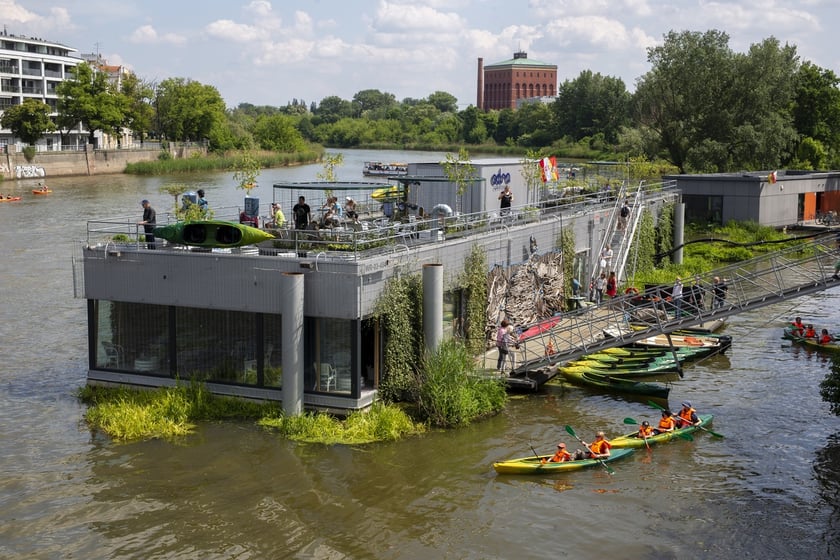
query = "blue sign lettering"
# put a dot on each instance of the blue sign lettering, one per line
(498, 179)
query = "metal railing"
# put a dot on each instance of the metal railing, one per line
(803, 268)
(374, 233)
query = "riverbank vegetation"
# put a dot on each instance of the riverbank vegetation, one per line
(227, 161)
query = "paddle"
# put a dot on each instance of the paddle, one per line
(537, 455)
(677, 432)
(654, 405)
(574, 435)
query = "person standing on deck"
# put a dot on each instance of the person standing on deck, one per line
(149, 221)
(302, 213)
(676, 296)
(506, 198)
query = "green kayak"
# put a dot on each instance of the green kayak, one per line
(211, 234)
(534, 464)
(580, 376)
(632, 440)
(662, 365)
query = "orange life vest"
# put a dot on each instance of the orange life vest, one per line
(560, 456)
(825, 339)
(645, 431)
(667, 423)
(599, 447)
(685, 416)
(810, 333)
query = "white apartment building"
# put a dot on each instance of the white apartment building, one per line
(32, 68)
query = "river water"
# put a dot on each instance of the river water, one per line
(231, 490)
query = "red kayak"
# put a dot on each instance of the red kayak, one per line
(539, 328)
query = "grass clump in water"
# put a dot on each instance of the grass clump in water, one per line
(383, 422)
(133, 414)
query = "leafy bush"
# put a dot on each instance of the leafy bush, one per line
(29, 153)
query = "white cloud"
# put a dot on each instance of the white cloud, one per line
(147, 34)
(237, 32)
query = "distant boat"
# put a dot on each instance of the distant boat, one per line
(41, 191)
(384, 169)
(212, 234)
(9, 199)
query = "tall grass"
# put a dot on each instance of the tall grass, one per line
(450, 393)
(224, 162)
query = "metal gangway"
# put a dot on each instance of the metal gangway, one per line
(805, 266)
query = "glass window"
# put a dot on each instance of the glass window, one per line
(132, 337)
(272, 351)
(215, 345)
(330, 347)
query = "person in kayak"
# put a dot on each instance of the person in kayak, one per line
(666, 423)
(560, 456)
(810, 332)
(687, 416)
(797, 327)
(598, 449)
(645, 430)
(825, 338)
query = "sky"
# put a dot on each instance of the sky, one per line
(271, 53)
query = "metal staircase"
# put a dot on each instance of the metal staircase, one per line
(801, 269)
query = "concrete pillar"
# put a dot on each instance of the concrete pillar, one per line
(679, 231)
(433, 305)
(291, 286)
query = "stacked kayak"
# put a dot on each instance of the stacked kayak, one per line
(534, 464)
(581, 376)
(632, 440)
(705, 345)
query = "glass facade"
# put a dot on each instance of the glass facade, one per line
(219, 346)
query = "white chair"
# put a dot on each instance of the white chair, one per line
(326, 376)
(113, 355)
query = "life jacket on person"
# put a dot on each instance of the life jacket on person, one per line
(666, 424)
(685, 416)
(798, 327)
(810, 333)
(560, 456)
(645, 431)
(825, 339)
(599, 447)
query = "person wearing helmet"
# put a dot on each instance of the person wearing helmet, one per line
(645, 430)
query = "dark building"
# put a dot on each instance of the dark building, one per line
(500, 85)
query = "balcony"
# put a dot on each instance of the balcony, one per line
(8, 69)
(32, 90)
(32, 71)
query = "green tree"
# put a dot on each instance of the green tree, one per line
(816, 109)
(444, 102)
(372, 101)
(28, 121)
(188, 110)
(589, 104)
(247, 169)
(90, 99)
(459, 170)
(278, 133)
(332, 109)
(138, 112)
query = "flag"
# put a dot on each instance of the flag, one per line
(548, 167)
(772, 178)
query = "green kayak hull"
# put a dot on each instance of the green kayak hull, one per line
(211, 234)
(630, 441)
(611, 383)
(533, 464)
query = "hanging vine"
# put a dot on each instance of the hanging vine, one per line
(473, 282)
(665, 233)
(399, 312)
(566, 243)
(644, 244)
